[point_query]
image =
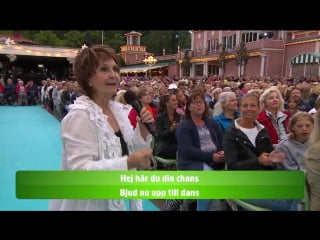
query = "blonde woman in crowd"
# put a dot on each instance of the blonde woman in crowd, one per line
(312, 160)
(272, 116)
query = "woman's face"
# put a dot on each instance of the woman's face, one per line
(272, 101)
(232, 104)
(106, 79)
(197, 106)
(249, 108)
(172, 102)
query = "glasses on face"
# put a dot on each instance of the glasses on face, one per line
(197, 102)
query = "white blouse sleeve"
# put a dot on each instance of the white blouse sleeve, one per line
(81, 145)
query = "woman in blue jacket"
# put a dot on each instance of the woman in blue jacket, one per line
(199, 140)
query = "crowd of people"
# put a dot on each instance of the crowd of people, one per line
(269, 123)
(266, 123)
(53, 95)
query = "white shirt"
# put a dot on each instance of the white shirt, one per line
(89, 143)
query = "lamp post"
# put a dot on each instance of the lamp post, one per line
(102, 37)
(150, 61)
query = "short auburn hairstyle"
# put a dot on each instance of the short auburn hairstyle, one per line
(86, 63)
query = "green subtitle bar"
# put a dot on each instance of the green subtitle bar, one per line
(160, 184)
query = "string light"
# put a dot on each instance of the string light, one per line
(9, 47)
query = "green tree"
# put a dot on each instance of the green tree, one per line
(48, 38)
(96, 36)
(6, 32)
(155, 40)
(29, 34)
(158, 40)
(242, 57)
(186, 64)
(74, 39)
(60, 34)
(114, 39)
(222, 58)
(184, 39)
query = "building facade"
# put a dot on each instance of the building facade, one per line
(135, 57)
(268, 53)
(249, 53)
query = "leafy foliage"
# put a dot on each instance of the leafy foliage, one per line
(186, 64)
(242, 57)
(155, 41)
(242, 54)
(74, 39)
(48, 38)
(222, 58)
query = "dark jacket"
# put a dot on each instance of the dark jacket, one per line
(240, 154)
(165, 138)
(190, 155)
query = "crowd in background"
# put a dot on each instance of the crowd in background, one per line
(55, 96)
(215, 111)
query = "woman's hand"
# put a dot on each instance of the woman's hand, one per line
(277, 156)
(174, 126)
(140, 159)
(264, 159)
(218, 156)
(270, 158)
(146, 116)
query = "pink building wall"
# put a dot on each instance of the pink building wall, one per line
(296, 49)
(199, 40)
(274, 63)
(228, 33)
(253, 67)
(279, 50)
(232, 67)
(173, 70)
(278, 55)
